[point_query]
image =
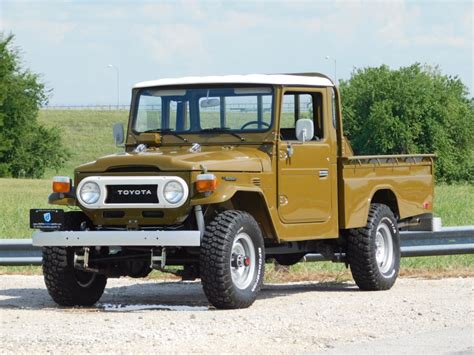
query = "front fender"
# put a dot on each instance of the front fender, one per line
(223, 194)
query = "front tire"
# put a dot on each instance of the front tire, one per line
(373, 252)
(67, 285)
(232, 260)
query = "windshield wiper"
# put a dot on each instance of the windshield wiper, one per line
(223, 130)
(165, 131)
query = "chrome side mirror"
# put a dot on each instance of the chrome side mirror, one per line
(119, 135)
(304, 129)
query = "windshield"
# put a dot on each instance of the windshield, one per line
(198, 110)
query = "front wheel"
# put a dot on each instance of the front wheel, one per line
(67, 285)
(232, 260)
(373, 252)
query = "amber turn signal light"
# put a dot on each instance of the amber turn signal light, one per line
(61, 184)
(206, 183)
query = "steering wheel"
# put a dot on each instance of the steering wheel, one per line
(254, 122)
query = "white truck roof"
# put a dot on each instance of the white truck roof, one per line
(268, 79)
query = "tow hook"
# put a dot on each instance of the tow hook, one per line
(239, 260)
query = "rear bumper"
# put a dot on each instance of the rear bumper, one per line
(117, 238)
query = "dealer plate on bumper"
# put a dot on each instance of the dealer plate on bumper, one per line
(46, 219)
(190, 238)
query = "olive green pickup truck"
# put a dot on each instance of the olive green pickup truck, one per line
(220, 174)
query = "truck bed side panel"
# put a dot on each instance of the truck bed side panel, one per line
(410, 178)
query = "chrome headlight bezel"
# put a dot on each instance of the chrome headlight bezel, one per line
(93, 190)
(173, 192)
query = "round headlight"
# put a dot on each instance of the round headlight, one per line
(173, 192)
(90, 192)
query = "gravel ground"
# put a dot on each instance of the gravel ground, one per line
(150, 316)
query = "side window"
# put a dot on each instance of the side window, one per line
(298, 105)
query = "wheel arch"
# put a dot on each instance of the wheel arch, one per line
(387, 197)
(254, 203)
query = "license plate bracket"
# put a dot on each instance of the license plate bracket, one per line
(46, 219)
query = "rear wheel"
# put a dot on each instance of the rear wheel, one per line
(373, 252)
(232, 260)
(67, 285)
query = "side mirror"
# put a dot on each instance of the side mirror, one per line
(119, 135)
(304, 129)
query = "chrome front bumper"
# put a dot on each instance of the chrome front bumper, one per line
(117, 238)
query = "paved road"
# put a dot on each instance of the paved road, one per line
(431, 316)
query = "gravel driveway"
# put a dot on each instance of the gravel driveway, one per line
(150, 316)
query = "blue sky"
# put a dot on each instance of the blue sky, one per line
(71, 42)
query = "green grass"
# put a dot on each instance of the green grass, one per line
(88, 134)
(455, 204)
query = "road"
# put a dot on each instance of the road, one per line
(432, 316)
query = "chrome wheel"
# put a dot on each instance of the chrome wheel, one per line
(242, 261)
(384, 246)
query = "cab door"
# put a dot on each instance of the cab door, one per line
(304, 168)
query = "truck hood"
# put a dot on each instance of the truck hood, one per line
(180, 159)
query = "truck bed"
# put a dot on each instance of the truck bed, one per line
(405, 180)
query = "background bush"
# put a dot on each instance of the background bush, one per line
(26, 147)
(414, 109)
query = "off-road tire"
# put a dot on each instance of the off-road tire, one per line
(369, 274)
(289, 259)
(216, 256)
(66, 285)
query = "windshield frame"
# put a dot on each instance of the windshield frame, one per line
(262, 131)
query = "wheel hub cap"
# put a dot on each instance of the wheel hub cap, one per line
(384, 247)
(242, 260)
(239, 260)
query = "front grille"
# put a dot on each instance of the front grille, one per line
(131, 194)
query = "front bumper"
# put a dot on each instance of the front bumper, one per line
(190, 238)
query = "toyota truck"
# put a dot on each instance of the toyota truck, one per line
(219, 175)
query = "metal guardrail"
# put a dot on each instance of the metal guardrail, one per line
(448, 241)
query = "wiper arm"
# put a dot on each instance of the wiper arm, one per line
(165, 131)
(223, 130)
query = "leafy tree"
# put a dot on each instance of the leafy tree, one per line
(414, 109)
(26, 147)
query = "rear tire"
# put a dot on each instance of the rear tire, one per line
(373, 252)
(67, 285)
(232, 260)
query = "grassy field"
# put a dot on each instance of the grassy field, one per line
(89, 135)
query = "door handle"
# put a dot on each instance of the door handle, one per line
(323, 173)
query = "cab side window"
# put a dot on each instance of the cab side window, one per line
(298, 105)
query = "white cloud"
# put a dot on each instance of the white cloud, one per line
(404, 26)
(50, 32)
(167, 43)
